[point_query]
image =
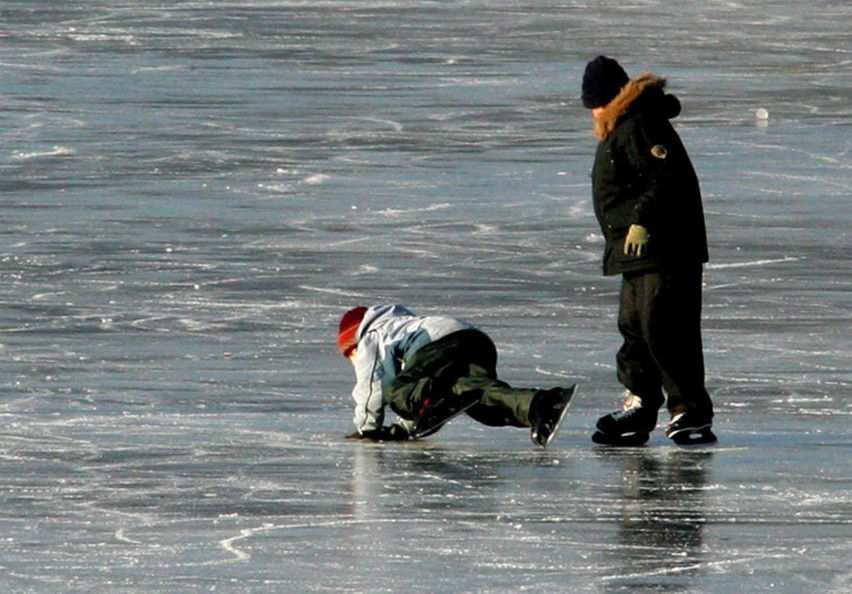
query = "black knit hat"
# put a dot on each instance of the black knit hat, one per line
(602, 81)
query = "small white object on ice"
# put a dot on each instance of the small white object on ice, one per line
(761, 114)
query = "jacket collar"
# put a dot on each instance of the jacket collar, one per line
(606, 122)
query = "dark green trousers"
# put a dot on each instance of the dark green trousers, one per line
(461, 362)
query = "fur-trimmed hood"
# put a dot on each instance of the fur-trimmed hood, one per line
(646, 91)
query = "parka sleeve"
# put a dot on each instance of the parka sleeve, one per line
(367, 393)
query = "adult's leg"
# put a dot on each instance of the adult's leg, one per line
(637, 369)
(671, 322)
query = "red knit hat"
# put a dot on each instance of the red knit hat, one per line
(349, 324)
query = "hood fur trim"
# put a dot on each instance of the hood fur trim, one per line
(605, 123)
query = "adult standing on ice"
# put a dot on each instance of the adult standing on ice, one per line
(648, 203)
(430, 368)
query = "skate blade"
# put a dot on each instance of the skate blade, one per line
(628, 440)
(701, 437)
(426, 425)
(537, 439)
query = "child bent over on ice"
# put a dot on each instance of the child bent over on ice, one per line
(430, 368)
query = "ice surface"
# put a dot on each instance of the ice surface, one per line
(193, 192)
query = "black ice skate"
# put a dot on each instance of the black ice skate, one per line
(631, 426)
(550, 408)
(437, 411)
(690, 429)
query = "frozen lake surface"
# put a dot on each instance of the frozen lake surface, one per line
(193, 192)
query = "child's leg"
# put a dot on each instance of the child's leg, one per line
(407, 391)
(500, 404)
(432, 371)
(460, 363)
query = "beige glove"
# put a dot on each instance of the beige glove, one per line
(636, 243)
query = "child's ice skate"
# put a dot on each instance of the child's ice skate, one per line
(436, 411)
(550, 408)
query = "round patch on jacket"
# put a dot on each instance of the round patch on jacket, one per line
(659, 151)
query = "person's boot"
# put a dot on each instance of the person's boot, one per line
(630, 426)
(690, 428)
(435, 411)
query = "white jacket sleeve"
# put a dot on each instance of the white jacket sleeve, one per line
(369, 402)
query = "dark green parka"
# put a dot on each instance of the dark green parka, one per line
(642, 175)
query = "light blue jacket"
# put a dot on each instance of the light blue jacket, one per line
(388, 336)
